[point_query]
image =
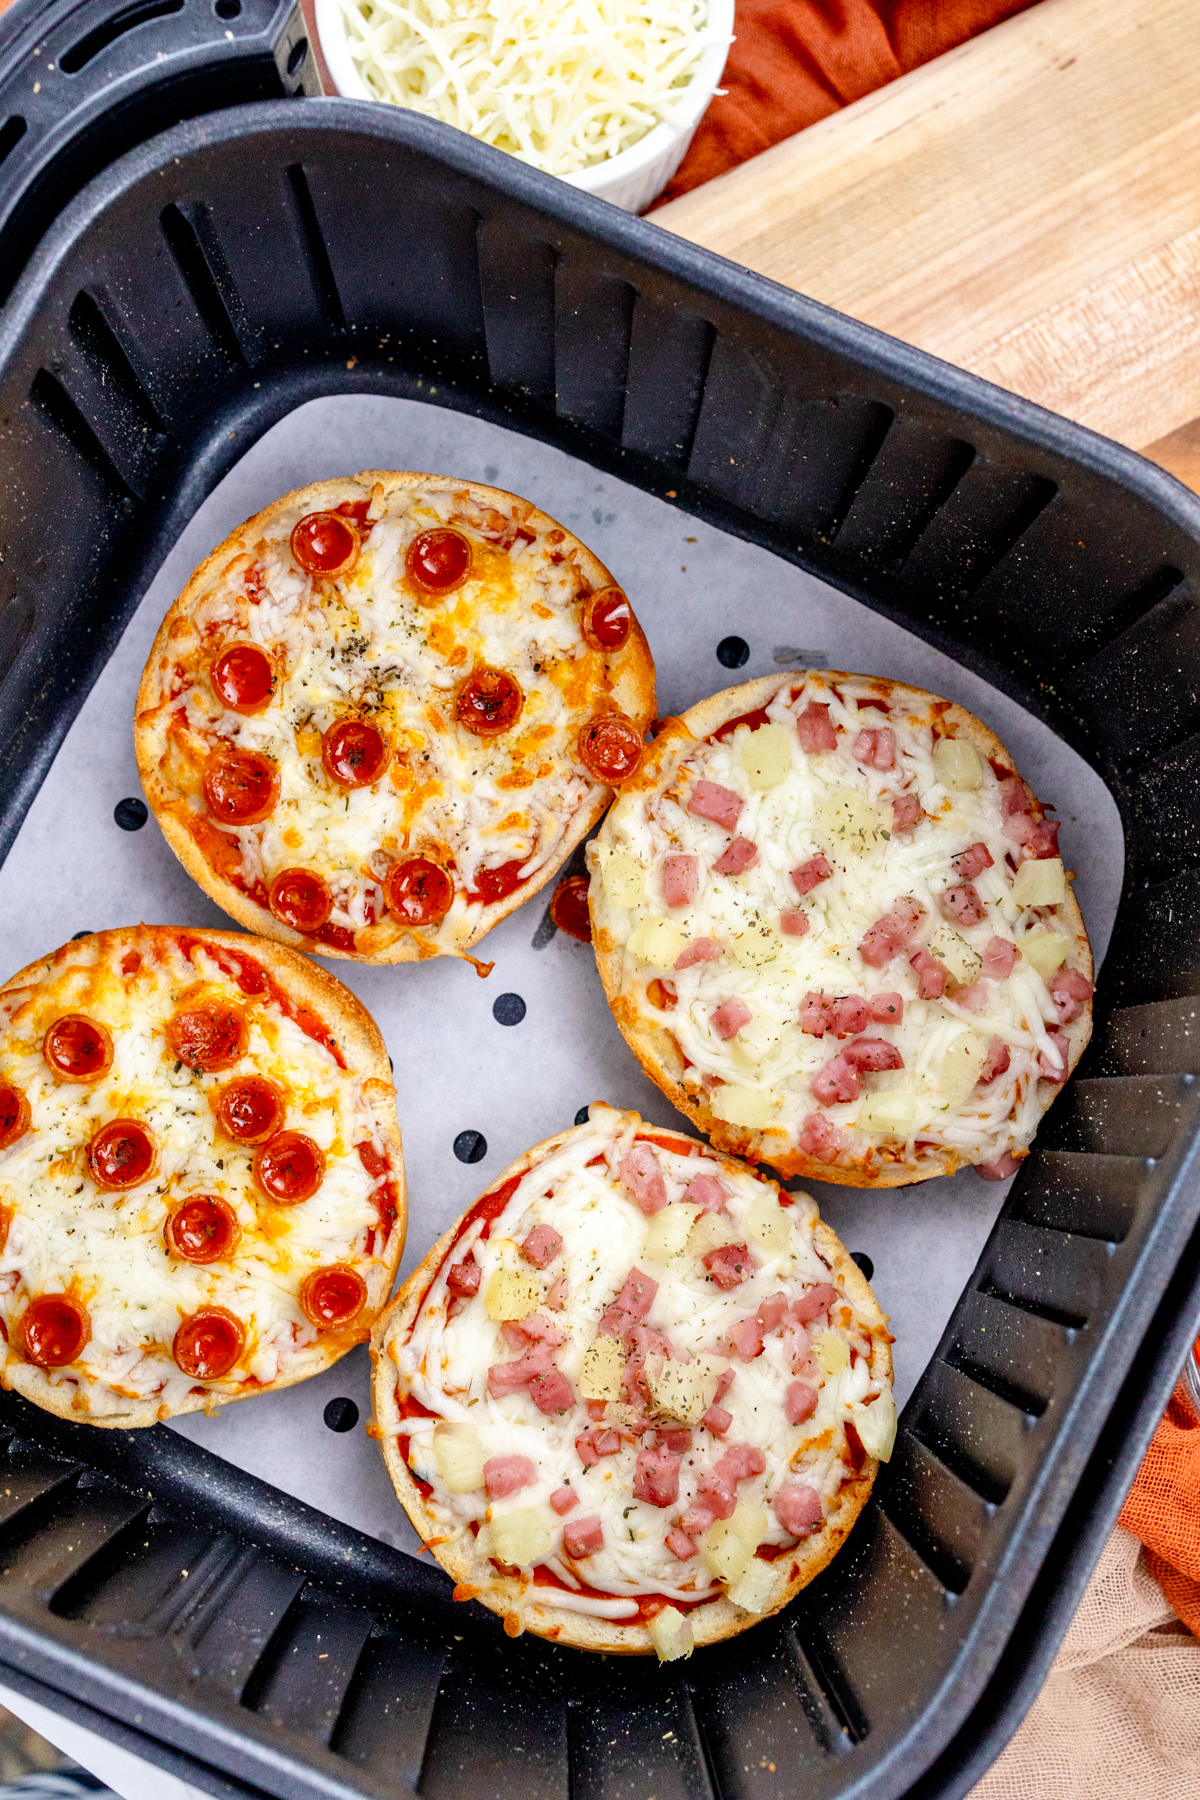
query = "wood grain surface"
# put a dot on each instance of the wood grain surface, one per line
(1027, 206)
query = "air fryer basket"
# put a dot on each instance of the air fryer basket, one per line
(196, 292)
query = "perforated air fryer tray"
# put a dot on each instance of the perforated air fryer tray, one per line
(195, 293)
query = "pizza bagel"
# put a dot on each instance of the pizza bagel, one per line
(833, 925)
(385, 711)
(201, 1177)
(635, 1398)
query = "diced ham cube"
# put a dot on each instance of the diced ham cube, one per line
(870, 1056)
(556, 1299)
(656, 1477)
(971, 862)
(700, 950)
(705, 1191)
(998, 958)
(583, 1537)
(821, 1139)
(534, 1330)
(681, 880)
(1014, 796)
(718, 1420)
(1052, 1063)
(679, 1544)
(813, 1303)
(793, 921)
(677, 1438)
(632, 1303)
(876, 749)
(730, 1016)
(772, 1312)
(1070, 991)
(696, 1520)
(974, 998)
(716, 1493)
(1001, 1169)
(1044, 839)
(739, 856)
(796, 1345)
(964, 904)
(886, 1009)
(741, 1461)
(551, 1392)
(463, 1278)
(730, 1266)
(712, 801)
(810, 874)
(836, 1083)
(511, 1377)
(800, 1402)
(798, 1508)
(888, 936)
(1019, 828)
(906, 812)
(848, 1014)
(641, 1174)
(747, 1339)
(815, 1010)
(541, 1246)
(724, 1382)
(998, 1059)
(505, 1475)
(563, 1500)
(814, 729)
(592, 1444)
(931, 974)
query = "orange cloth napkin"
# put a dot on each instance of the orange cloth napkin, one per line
(796, 61)
(1163, 1509)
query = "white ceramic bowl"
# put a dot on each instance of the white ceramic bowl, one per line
(631, 180)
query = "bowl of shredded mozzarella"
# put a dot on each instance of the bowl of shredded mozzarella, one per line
(606, 94)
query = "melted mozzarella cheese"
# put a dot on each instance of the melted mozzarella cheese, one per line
(108, 1248)
(830, 804)
(443, 1360)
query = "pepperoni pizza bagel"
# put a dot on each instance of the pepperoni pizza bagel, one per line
(383, 713)
(833, 925)
(201, 1179)
(635, 1398)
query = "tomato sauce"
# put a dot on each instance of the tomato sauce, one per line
(253, 980)
(755, 720)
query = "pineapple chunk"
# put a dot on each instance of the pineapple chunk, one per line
(458, 1454)
(757, 1586)
(962, 964)
(602, 1368)
(730, 1543)
(741, 1106)
(671, 1635)
(956, 765)
(1042, 882)
(876, 1426)
(832, 1352)
(756, 1042)
(890, 1113)
(757, 946)
(766, 755)
(668, 1231)
(521, 1537)
(767, 1222)
(962, 1060)
(623, 875)
(1045, 951)
(658, 941)
(710, 1232)
(683, 1391)
(850, 821)
(511, 1295)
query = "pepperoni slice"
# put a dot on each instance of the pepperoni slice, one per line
(77, 1049)
(418, 891)
(355, 754)
(14, 1115)
(250, 1110)
(569, 908)
(54, 1329)
(208, 1038)
(438, 560)
(332, 1297)
(204, 1230)
(240, 787)
(243, 678)
(300, 898)
(122, 1155)
(606, 619)
(325, 543)
(489, 702)
(208, 1344)
(289, 1168)
(610, 747)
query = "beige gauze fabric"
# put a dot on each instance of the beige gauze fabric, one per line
(1119, 1716)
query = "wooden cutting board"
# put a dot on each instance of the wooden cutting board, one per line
(1027, 206)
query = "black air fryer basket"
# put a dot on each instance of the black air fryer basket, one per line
(195, 292)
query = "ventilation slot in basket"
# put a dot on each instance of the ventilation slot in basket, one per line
(82, 52)
(386, 1715)
(242, 1614)
(319, 266)
(836, 1702)
(669, 355)
(516, 284)
(942, 1517)
(56, 407)
(1162, 1038)
(982, 521)
(16, 624)
(11, 133)
(593, 324)
(201, 262)
(1090, 1196)
(1122, 1115)
(301, 1681)
(1141, 693)
(906, 486)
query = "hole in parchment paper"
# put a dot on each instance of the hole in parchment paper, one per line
(470, 1146)
(79, 934)
(732, 652)
(131, 814)
(508, 1009)
(864, 1262)
(341, 1415)
(581, 1117)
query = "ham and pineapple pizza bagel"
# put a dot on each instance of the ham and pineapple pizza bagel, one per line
(201, 1178)
(386, 709)
(834, 927)
(636, 1397)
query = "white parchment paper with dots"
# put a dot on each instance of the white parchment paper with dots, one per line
(458, 1069)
